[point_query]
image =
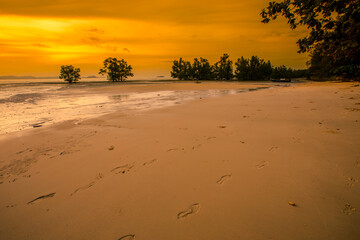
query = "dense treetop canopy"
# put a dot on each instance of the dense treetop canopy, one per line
(69, 73)
(116, 70)
(334, 27)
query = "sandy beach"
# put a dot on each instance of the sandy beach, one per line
(273, 163)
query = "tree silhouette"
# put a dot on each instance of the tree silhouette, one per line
(252, 69)
(334, 29)
(281, 72)
(69, 73)
(181, 69)
(320, 66)
(242, 69)
(223, 69)
(202, 70)
(116, 70)
(196, 68)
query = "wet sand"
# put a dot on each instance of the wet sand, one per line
(280, 163)
(24, 106)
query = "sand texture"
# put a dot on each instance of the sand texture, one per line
(278, 163)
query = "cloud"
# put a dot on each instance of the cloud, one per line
(95, 30)
(40, 45)
(111, 48)
(93, 41)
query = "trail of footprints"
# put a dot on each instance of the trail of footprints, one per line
(193, 208)
(20, 165)
(123, 169)
(117, 170)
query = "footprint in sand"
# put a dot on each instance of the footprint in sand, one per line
(193, 209)
(348, 209)
(83, 188)
(350, 181)
(122, 169)
(357, 163)
(172, 149)
(262, 164)
(197, 146)
(99, 176)
(25, 150)
(353, 109)
(11, 206)
(273, 149)
(337, 131)
(297, 140)
(224, 178)
(149, 162)
(41, 198)
(127, 237)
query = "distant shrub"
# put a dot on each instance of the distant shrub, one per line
(116, 70)
(69, 73)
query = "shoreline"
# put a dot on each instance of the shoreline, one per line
(40, 106)
(214, 168)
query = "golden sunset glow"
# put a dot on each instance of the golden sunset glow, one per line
(38, 36)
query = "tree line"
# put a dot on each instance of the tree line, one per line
(116, 70)
(253, 68)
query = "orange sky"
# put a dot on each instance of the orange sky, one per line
(38, 36)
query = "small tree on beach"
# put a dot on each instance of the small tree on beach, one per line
(69, 73)
(116, 70)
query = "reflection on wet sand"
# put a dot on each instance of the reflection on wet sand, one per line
(25, 107)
